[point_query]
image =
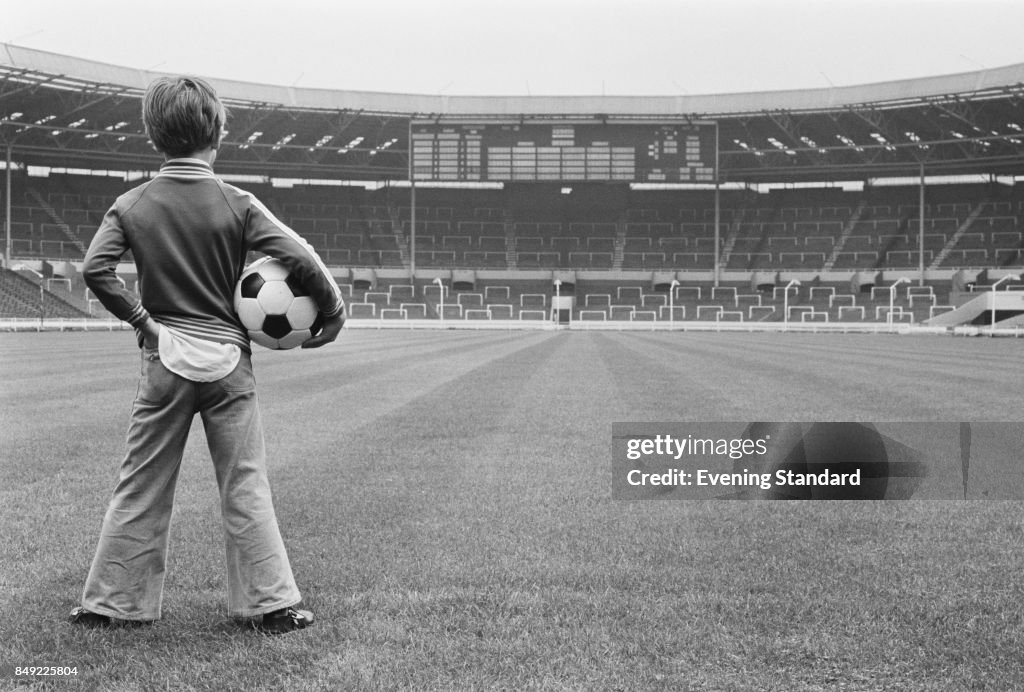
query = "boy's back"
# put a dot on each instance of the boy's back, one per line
(190, 233)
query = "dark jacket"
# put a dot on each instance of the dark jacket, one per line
(189, 234)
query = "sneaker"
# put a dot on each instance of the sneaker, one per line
(87, 618)
(283, 620)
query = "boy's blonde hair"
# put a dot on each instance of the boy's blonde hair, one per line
(183, 115)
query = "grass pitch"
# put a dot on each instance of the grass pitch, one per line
(445, 498)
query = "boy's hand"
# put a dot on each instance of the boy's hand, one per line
(332, 327)
(150, 334)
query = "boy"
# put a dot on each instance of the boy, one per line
(189, 234)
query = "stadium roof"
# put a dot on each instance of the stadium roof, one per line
(62, 111)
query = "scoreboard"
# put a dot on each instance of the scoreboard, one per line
(537, 151)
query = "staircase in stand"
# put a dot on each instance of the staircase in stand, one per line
(851, 224)
(399, 233)
(730, 238)
(57, 220)
(955, 238)
(510, 242)
(619, 252)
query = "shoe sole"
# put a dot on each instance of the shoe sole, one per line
(86, 618)
(287, 624)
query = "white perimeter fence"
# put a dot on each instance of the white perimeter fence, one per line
(110, 325)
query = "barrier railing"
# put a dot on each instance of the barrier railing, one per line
(62, 324)
(539, 321)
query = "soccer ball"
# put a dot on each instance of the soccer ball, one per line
(273, 307)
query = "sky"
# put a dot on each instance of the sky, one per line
(532, 47)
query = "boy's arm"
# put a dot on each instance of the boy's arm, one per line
(100, 273)
(266, 234)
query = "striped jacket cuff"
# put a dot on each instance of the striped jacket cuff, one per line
(138, 316)
(339, 310)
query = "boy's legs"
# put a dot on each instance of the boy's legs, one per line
(127, 574)
(259, 575)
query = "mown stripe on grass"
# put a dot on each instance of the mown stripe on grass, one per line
(449, 519)
(826, 377)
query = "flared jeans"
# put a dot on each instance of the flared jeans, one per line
(126, 579)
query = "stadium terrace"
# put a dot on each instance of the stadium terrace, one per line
(881, 206)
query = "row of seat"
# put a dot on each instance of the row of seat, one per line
(354, 227)
(634, 303)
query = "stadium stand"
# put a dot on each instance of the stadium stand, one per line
(21, 296)
(814, 229)
(821, 231)
(781, 213)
